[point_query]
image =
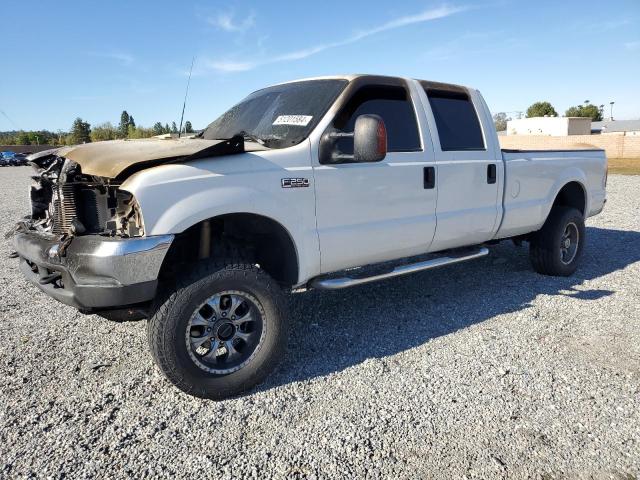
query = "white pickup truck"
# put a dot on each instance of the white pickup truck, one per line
(322, 183)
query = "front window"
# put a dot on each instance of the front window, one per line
(278, 116)
(393, 104)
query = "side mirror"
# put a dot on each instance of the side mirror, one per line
(369, 139)
(369, 142)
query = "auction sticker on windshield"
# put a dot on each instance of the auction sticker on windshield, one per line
(298, 120)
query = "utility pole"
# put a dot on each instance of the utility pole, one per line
(611, 110)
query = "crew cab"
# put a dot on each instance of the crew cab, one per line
(322, 183)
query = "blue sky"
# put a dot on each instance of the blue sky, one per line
(70, 58)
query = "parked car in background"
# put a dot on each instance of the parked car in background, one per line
(8, 157)
(20, 159)
(12, 159)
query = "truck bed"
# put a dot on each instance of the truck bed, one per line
(533, 178)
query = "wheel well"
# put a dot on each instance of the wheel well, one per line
(240, 236)
(571, 195)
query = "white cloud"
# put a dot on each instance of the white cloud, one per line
(227, 66)
(632, 45)
(228, 22)
(424, 16)
(123, 58)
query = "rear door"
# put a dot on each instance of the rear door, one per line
(469, 175)
(372, 212)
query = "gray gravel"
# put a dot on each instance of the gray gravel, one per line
(481, 370)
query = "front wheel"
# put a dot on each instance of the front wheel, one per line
(557, 247)
(220, 331)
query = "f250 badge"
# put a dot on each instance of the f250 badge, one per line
(294, 182)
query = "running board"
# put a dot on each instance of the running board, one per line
(338, 283)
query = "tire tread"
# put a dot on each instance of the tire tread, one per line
(179, 287)
(543, 248)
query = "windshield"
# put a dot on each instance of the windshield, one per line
(279, 116)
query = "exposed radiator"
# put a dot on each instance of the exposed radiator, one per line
(64, 208)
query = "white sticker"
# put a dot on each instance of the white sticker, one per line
(297, 120)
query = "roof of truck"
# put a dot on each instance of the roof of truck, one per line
(352, 76)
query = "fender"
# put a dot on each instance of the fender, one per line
(174, 197)
(568, 175)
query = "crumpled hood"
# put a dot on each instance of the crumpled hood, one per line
(114, 158)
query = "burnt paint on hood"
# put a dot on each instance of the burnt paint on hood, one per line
(120, 158)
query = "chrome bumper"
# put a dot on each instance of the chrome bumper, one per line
(95, 272)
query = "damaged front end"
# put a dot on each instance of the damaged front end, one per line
(84, 243)
(67, 203)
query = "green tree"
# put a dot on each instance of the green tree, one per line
(174, 127)
(140, 132)
(123, 127)
(166, 128)
(22, 138)
(158, 129)
(500, 121)
(586, 110)
(80, 132)
(187, 127)
(132, 122)
(540, 109)
(104, 131)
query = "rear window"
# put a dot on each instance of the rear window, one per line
(456, 120)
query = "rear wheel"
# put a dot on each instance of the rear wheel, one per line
(557, 247)
(219, 332)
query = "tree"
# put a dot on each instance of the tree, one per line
(158, 129)
(140, 132)
(166, 128)
(500, 120)
(80, 132)
(586, 110)
(187, 127)
(23, 138)
(132, 122)
(174, 127)
(123, 127)
(104, 131)
(540, 109)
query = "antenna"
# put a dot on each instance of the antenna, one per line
(184, 104)
(14, 123)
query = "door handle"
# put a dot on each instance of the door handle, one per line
(491, 173)
(429, 177)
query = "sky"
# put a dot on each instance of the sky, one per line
(66, 59)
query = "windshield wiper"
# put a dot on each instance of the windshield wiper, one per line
(249, 136)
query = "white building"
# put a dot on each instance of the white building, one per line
(554, 126)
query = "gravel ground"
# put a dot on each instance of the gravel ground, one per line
(480, 370)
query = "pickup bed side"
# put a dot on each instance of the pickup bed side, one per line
(534, 180)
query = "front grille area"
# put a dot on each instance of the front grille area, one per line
(64, 208)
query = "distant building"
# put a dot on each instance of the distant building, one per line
(550, 126)
(618, 127)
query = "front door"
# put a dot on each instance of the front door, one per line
(372, 212)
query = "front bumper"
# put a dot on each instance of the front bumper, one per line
(95, 272)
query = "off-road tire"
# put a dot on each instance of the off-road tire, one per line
(546, 245)
(167, 326)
